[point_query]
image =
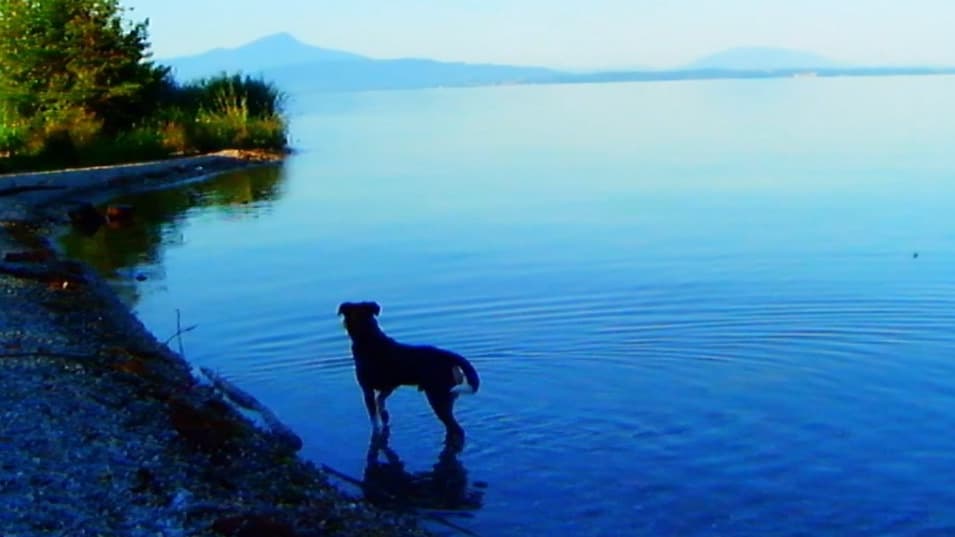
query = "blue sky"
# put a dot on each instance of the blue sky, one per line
(565, 33)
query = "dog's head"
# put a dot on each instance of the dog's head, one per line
(359, 316)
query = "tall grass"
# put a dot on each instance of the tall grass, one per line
(222, 112)
(238, 112)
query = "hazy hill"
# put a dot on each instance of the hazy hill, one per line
(267, 53)
(296, 66)
(761, 59)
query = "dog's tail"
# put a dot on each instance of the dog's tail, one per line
(465, 376)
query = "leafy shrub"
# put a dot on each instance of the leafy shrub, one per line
(140, 144)
(12, 140)
(77, 87)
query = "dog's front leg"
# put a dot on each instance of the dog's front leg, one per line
(372, 407)
(382, 411)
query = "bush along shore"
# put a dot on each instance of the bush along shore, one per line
(106, 431)
(77, 88)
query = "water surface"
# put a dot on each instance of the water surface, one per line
(696, 307)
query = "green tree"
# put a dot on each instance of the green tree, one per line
(76, 61)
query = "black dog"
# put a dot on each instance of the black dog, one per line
(382, 364)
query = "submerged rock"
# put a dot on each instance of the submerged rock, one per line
(121, 214)
(86, 219)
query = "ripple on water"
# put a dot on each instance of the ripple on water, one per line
(671, 342)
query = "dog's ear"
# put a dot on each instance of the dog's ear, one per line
(374, 308)
(344, 306)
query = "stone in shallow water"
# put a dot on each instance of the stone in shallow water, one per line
(86, 219)
(118, 215)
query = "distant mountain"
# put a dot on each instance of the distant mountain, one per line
(761, 59)
(297, 67)
(274, 51)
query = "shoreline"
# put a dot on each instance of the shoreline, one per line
(105, 429)
(22, 195)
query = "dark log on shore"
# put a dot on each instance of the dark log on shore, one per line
(63, 273)
(41, 255)
(14, 190)
(281, 432)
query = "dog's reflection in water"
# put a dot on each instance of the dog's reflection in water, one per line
(445, 487)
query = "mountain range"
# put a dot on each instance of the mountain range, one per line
(296, 66)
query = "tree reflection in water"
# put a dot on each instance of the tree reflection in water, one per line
(117, 253)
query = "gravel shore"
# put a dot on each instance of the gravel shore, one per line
(103, 429)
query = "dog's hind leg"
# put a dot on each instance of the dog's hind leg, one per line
(372, 407)
(443, 406)
(382, 395)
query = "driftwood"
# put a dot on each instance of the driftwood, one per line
(279, 430)
(179, 331)
(39, 255)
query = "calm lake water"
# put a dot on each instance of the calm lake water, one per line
(696, 307)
